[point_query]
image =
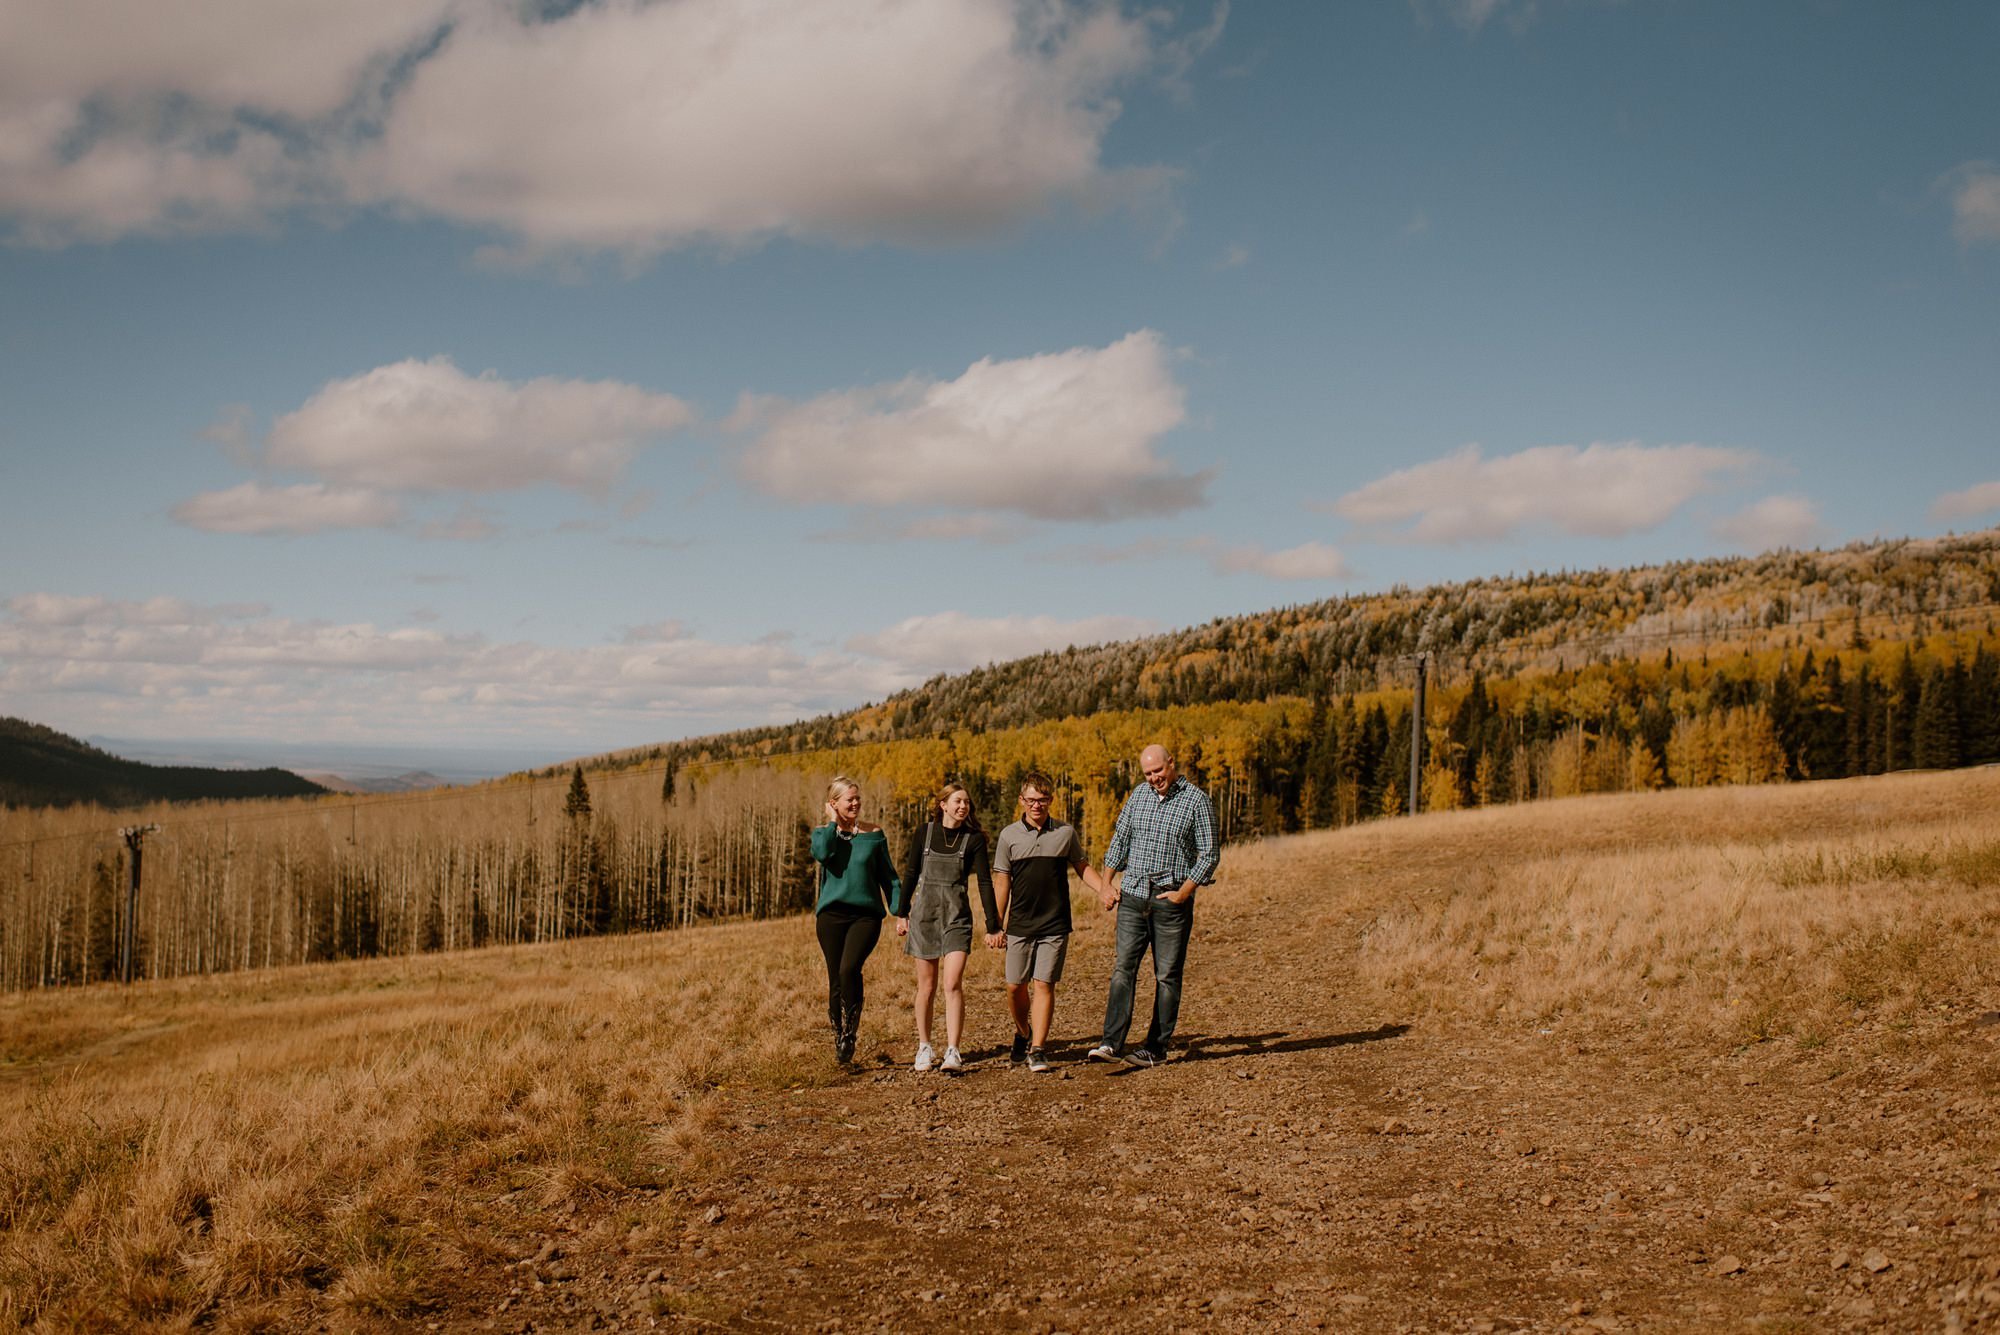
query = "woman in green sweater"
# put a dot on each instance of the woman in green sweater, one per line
(856, 876)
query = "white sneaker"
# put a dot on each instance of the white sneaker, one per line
(926, 1058)
(1103, 1052)
(952, 1061)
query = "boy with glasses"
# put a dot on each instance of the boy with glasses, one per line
(1032, 860)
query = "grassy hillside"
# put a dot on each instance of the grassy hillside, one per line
(40, 767)
(1635, 1036)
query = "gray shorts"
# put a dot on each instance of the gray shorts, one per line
(1039, 957)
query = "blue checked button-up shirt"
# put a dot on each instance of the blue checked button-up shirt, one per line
(1162, 842)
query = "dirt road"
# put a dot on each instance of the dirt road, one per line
(1313, 1157)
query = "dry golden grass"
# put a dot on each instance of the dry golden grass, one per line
(339, 1137)
(341, 1140)
(1717, 915)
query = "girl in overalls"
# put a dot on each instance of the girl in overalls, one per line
(947, 851)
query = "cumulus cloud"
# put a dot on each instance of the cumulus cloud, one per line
(428, 426)
(614, 125)
(1775, 521)
(167, 664)
(1307, 561)
(1975, 202)
(123, 116)
(1060, 435)
(1980, 499)
(1600, 490)
(311, 507)
(953, 641)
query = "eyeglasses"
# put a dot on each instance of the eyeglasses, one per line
(1034, 801)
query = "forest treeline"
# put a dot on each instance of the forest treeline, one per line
(1794, 666)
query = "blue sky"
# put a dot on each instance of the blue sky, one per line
(577, 376)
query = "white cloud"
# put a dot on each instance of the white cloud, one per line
(1979, 499)
(126, 116)
(428, 426)
(1975, 202)
(616, 125)
(1308, 561)
(1775, 521)
(167, 666)
(1600, 490)
(312, 507)
(953, 641)
(1234, 256)
(635, 127)
(1061, 435)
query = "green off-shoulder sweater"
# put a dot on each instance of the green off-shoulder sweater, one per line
(856, 872)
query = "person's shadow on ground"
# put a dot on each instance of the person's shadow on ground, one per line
(1216, 1047)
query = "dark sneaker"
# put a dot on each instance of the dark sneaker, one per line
(1019, 1052)
(1036, 1060)
(1144, 1057)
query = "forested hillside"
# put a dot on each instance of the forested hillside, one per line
(1794, 666)
(40, 767)
(1836, 649)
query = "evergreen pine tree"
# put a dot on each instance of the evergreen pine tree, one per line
(1322, 769)
(1934, 731)
(1979, 719)
(1900, 726)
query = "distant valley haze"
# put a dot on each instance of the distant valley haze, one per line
(369, 767)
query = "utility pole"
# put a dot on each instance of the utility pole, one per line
(1417, 739)
(135, 839)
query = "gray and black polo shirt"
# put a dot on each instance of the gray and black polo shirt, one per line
(1037, 863)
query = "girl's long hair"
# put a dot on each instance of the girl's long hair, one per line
(944, 795)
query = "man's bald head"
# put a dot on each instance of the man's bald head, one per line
(1158, 767)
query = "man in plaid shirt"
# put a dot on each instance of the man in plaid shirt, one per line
(1162, 848)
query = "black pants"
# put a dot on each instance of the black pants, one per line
(846, 936)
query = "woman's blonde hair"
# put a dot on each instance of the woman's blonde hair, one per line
(841, 783)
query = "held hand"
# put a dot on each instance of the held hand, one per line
(995, 940)
(902, 927)
(1109, 899)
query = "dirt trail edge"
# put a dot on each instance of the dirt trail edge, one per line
(1311, 1158)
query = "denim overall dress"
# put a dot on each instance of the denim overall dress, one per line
(940, 913)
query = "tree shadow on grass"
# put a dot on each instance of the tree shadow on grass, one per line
(1216, 1047)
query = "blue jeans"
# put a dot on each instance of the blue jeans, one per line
(1165, 927)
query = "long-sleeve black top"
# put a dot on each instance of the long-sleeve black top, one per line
(974, 860)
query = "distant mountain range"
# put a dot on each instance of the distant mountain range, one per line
(42, 767)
